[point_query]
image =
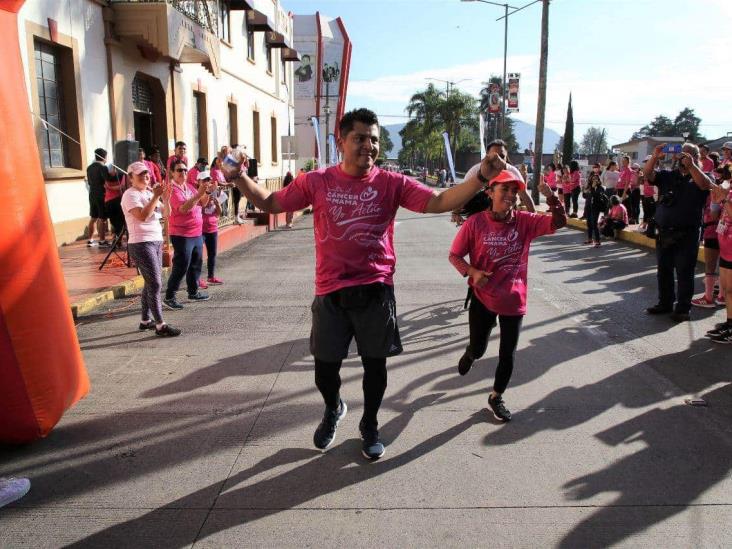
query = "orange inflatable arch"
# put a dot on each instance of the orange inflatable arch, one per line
(41, 368)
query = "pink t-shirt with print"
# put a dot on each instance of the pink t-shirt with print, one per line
(208, 212)
(649, 190)
(501, 248)
(551, 180)
(353, 222)
(184, 224)
(626, 178)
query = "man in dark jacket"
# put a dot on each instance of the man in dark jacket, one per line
(682, 194)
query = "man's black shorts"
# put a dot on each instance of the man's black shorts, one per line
(96, 206)
(711, 243)
(367, 313)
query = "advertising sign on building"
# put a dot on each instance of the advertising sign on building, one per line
(494, 98)
(513, 91)
(306, 70)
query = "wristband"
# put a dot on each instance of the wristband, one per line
(481, 178)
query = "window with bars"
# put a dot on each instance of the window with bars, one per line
(270, 63)
(255, 131)
(142, 95)
(52, 144)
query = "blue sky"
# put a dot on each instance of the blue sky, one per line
(625, 61)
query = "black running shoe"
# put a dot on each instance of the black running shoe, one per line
(718, 329)
(147, 325)
(659, 309)
(371, 446)
(326, 431)
(167, 331)
(172, 304)
(500, 411)
(198, 296)
(723, 337)
(465, 363)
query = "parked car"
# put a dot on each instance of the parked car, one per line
(408, 172)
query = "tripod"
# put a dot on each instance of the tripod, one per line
(113, 250)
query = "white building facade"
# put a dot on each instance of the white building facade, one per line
(320, 85)
(209, 73)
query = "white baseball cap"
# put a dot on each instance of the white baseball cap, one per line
(727, 145)
(205, 174)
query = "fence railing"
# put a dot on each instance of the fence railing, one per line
(227, 217)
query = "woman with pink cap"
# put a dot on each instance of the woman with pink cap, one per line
(142, 211)
(497, 242)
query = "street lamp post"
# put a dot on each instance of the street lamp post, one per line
(515, 9)
(448, 84)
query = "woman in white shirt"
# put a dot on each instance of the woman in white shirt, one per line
(141, 207)
(610, 178)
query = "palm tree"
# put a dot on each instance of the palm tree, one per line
(425, 106)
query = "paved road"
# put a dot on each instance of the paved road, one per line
(207, 439)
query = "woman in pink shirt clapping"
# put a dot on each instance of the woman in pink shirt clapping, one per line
(497, 243)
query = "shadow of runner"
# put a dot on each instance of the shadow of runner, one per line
(321, 474)
(676, 467)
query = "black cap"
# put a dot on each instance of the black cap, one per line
(100, 154)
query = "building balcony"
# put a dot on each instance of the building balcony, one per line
(179, 30)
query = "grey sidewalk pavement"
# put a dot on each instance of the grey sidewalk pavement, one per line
(207, 439)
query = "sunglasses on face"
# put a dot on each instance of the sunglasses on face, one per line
(181, 170)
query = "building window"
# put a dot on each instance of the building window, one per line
(283, 70)
(233, 124)
(200, 133)
(250, 43)
(224, 28)
(53, 146)
(255, 130)
(273, 137)
(270, 67)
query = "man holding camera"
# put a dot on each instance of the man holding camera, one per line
(682, 194)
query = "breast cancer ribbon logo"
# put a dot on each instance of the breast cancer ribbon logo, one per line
(368, 194)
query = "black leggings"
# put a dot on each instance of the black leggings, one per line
(328, 381)
(482, 322)
(236, 193)
(210, 240)
(574, 198)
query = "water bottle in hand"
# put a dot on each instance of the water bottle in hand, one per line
(232, 163)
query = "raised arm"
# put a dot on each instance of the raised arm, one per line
(702, 180)
(257, 195)
(456, 196)
(649, 171)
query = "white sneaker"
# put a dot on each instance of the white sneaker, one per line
(92, 243)
(12, 489)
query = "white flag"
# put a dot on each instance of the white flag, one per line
(481, 131)
(316, 127)
(448, 152)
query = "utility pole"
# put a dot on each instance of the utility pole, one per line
(503, 90)
(541, 106)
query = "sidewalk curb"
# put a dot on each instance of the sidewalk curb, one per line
(135, 284)
(630, 236)
(118, 291)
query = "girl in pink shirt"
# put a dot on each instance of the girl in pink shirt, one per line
(616, 219)
(211, 213)
(497, 242)
(572, 187)
(551, 177)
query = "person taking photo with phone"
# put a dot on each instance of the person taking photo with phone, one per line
(682, 195)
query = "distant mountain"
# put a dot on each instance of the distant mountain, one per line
(525, 134)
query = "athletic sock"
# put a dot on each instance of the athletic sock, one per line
(709, 280)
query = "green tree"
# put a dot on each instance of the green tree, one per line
(661, 126)
(458, 115)
(385, 143)
(594, 141)
(568, 144)
(687, 122)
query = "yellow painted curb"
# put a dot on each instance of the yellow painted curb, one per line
(630, 236)
(123, 289)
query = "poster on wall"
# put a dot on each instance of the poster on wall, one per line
(494, 98)
(332, 70)
(513, 91)
(306, 70)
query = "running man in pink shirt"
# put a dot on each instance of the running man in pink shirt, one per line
(354, 206)
(497, 242)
